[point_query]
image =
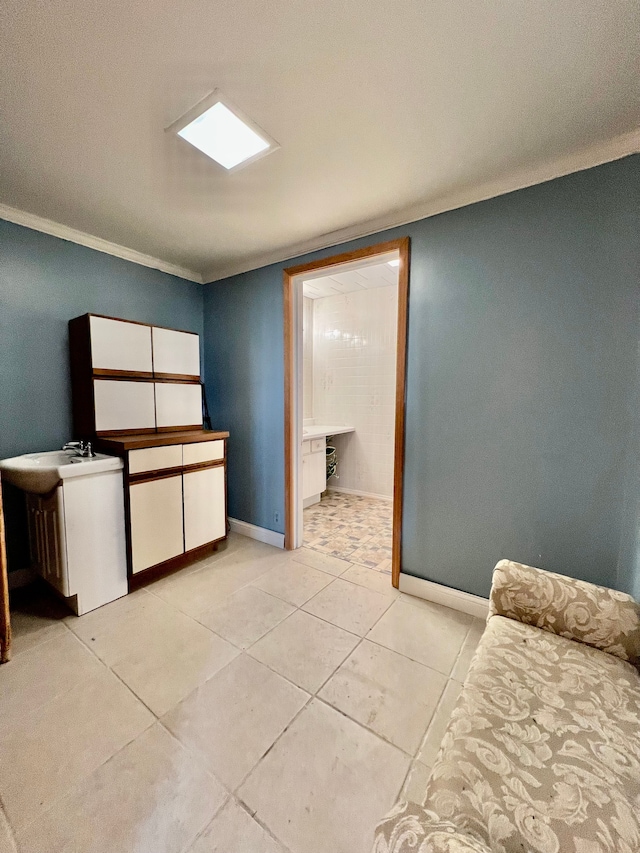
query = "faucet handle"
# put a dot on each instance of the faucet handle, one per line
(73, 445)
(88, 450)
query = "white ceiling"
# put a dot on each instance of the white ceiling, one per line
(378, 107)
(360, 278)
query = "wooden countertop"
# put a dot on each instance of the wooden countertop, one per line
(120, 444)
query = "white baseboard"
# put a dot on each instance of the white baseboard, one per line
(270, 537)
(359, 494)
(21, 577)
(474, 605)
(314, 499)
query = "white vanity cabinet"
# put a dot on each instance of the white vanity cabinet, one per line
(176, 495)
(118, 346)
(314, 470)
(175, 354)
(77, 539)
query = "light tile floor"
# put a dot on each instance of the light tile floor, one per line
(352, 528)
(256, 702)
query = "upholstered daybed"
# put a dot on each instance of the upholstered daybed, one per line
(543, 749)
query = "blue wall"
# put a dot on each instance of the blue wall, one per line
(522, 394)
(44, 282)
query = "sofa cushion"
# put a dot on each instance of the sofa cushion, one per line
(543, 749)
(600, 617)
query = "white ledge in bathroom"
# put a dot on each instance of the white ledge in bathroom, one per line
(323, 430)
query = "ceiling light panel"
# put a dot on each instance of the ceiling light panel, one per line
(222, 133)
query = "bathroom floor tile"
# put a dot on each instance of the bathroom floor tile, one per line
(430, 634)
(468, 650)
(350, 527)
(439, 722)
(53, 746)
(246, 616)
(233, 830)
(415, 785)
(323, 562)
(7, 843)
(372, 579)
(325, 784)
(235, 717)
(41, 673)
(36, 616)
(293, 582)
(160, 653)
(304, 649)
(349, 606)
(199, 591)
(151, 796)
(393, 696)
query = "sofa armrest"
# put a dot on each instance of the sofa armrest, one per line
(594, 615)
(409, 828)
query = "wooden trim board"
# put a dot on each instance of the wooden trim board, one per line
(402, 247)
(5, 618)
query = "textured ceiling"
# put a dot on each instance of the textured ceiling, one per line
(377, 107)
(360, 278)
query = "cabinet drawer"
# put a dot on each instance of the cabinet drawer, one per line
(155, 458)
(202, 451)
(122, 405)
(306, 447)
(318, 445)
(156, 521)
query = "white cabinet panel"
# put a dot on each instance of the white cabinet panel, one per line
(204, 507)
(122, 405)
(155, 458)
(314, 474)
(178, 404)
(117, 345)
(156, 521)
(202, 451)
(176, 352)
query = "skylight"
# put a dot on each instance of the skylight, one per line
(217, 130)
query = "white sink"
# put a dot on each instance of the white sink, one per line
(39, 473)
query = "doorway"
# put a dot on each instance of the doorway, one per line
(301, 441)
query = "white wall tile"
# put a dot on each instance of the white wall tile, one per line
(307, 356)
(354, 365)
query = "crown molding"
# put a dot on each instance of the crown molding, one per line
(594, 155)
(64, 232)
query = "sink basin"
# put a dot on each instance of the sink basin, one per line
(39, 473)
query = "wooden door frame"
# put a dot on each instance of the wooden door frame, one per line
(402, 246)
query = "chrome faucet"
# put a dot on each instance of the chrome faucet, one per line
(80, 448)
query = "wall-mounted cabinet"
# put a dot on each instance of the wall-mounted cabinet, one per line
(131, 377)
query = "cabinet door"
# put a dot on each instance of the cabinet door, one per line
(120, 346)
(176, 353)
(122, 405)
(318, 471)
(178, 405)
(205, 518)
(156, 521)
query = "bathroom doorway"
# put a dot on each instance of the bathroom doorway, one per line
(345, 321)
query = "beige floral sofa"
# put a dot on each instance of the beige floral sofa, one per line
(543, 749)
